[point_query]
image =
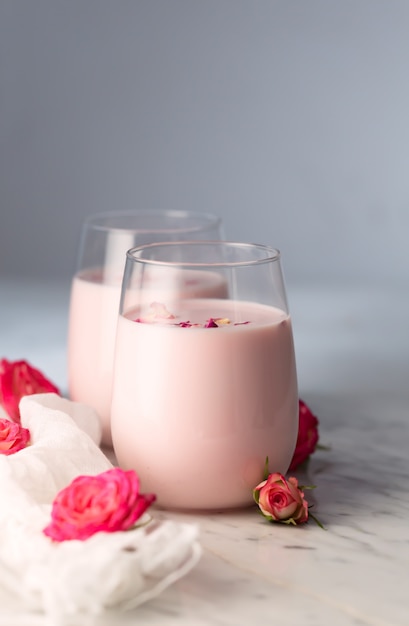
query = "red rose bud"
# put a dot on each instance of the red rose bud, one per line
(307, 436)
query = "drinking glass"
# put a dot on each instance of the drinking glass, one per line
(205, 389)
(96, 288)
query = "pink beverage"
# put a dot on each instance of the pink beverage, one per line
(196, 410)
(91, 335)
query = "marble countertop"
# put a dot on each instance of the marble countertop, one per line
(352, 347)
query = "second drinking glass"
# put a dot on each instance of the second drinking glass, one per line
(96, 288)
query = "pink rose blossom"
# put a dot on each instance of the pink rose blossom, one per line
(18, 379)
(307, 436)
(108, 502)
(281, 500)
(13, 437)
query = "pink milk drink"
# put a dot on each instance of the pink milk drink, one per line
(204, 388)
(96, 289)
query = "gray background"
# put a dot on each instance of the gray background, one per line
(288, 118)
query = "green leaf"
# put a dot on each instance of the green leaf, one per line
(266, 473)
(316, 520)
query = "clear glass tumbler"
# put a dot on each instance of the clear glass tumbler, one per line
(205, 388)
(96, 288)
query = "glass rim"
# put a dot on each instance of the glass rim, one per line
(272, 254)
(205, 220)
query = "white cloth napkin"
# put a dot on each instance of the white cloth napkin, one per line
(76, 579)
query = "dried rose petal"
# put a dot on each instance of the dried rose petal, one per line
(210, 323)
(158, 312)
(221, 321)
(161, 312)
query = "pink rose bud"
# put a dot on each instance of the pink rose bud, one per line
(281, 500)
(108, 502)
(13, 437)
(18, 379)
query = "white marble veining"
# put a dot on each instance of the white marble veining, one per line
(352, 349)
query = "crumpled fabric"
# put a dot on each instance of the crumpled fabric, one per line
(76, 579)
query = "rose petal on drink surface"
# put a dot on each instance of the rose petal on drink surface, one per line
(158, 312)
(210, 323)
